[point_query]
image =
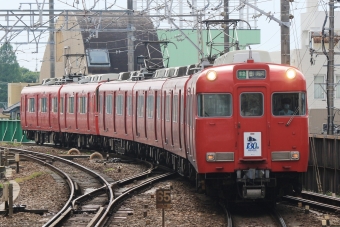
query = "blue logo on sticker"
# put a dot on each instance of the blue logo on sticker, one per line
(252, 145)
(251, 138)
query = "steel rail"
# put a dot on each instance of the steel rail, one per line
(321, 197)
(227, 215)
(63, 175)
(92, 173)
(279, 218)
(313, 203)
(116, 201)
(126, 180)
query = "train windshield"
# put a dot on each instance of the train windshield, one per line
(251, 104)
(289, 104)
(214, 105)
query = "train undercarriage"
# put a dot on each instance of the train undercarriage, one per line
(242, 185)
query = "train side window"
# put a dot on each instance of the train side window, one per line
(62, 105)
(149, 106)
(140, 105)
(119, 104)
(71, 104)
(289, 104)
(82, 105)
(54, 104)
(108, 104)
(43, 105)
(175, 108)
(158, 106)
(167, 108)
(31, 105)
(251, 104)
(129, 105)
(214, 105)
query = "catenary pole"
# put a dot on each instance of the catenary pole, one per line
(51, 27)
(226, 34)
(285, 33)
(330, 71)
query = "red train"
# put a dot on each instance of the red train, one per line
(239, 129)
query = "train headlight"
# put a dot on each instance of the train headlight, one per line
(210, 157)
(291, 73)
(295, 155)
(211, 75)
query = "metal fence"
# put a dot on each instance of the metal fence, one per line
(323, 174)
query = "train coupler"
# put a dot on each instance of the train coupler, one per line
(253, 192)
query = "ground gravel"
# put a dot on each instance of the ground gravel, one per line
(189, 208)
(37, 193)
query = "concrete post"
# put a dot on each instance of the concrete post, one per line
(17, 160)
(10, 200)
(285, 33)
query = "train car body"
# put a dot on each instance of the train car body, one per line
(39, 111)
(239, 127)
(78, 113)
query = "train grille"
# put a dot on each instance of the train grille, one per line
(224, 156)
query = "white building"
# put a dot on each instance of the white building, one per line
(316, 74)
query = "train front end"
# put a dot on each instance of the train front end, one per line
(250, 130)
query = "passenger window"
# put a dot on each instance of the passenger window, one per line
(289, 104)
(214, 105)
(251, 104)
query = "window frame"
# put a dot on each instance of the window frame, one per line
(200, 99)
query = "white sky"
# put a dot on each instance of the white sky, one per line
(270, 31)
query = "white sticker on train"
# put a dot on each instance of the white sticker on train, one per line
(252, 144)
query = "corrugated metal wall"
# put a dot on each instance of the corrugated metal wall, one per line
(10, 130)
(324, 158)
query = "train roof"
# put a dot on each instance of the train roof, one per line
(241, 56)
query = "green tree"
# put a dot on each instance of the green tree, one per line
(9, 69)
(28, 76)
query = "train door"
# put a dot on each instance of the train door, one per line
(87, 109)
(251, 123)
(155, 113)
(65, 110)
(25, 110)
(114, 110)
(76, 101)
(125, 107)
(49, 110)
(37, 112)
(103, 110)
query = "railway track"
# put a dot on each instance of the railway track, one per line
(316, 200)
(92, 201)
(249, 214)
(83, 183)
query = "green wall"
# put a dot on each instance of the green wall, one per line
(11, 130)
(186, 53)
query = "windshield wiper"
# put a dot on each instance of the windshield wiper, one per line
(291, 118)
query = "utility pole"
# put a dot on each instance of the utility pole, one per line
(226, 33)
(51, 27)
(330, 72)
(285, 33)
(130, 38)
